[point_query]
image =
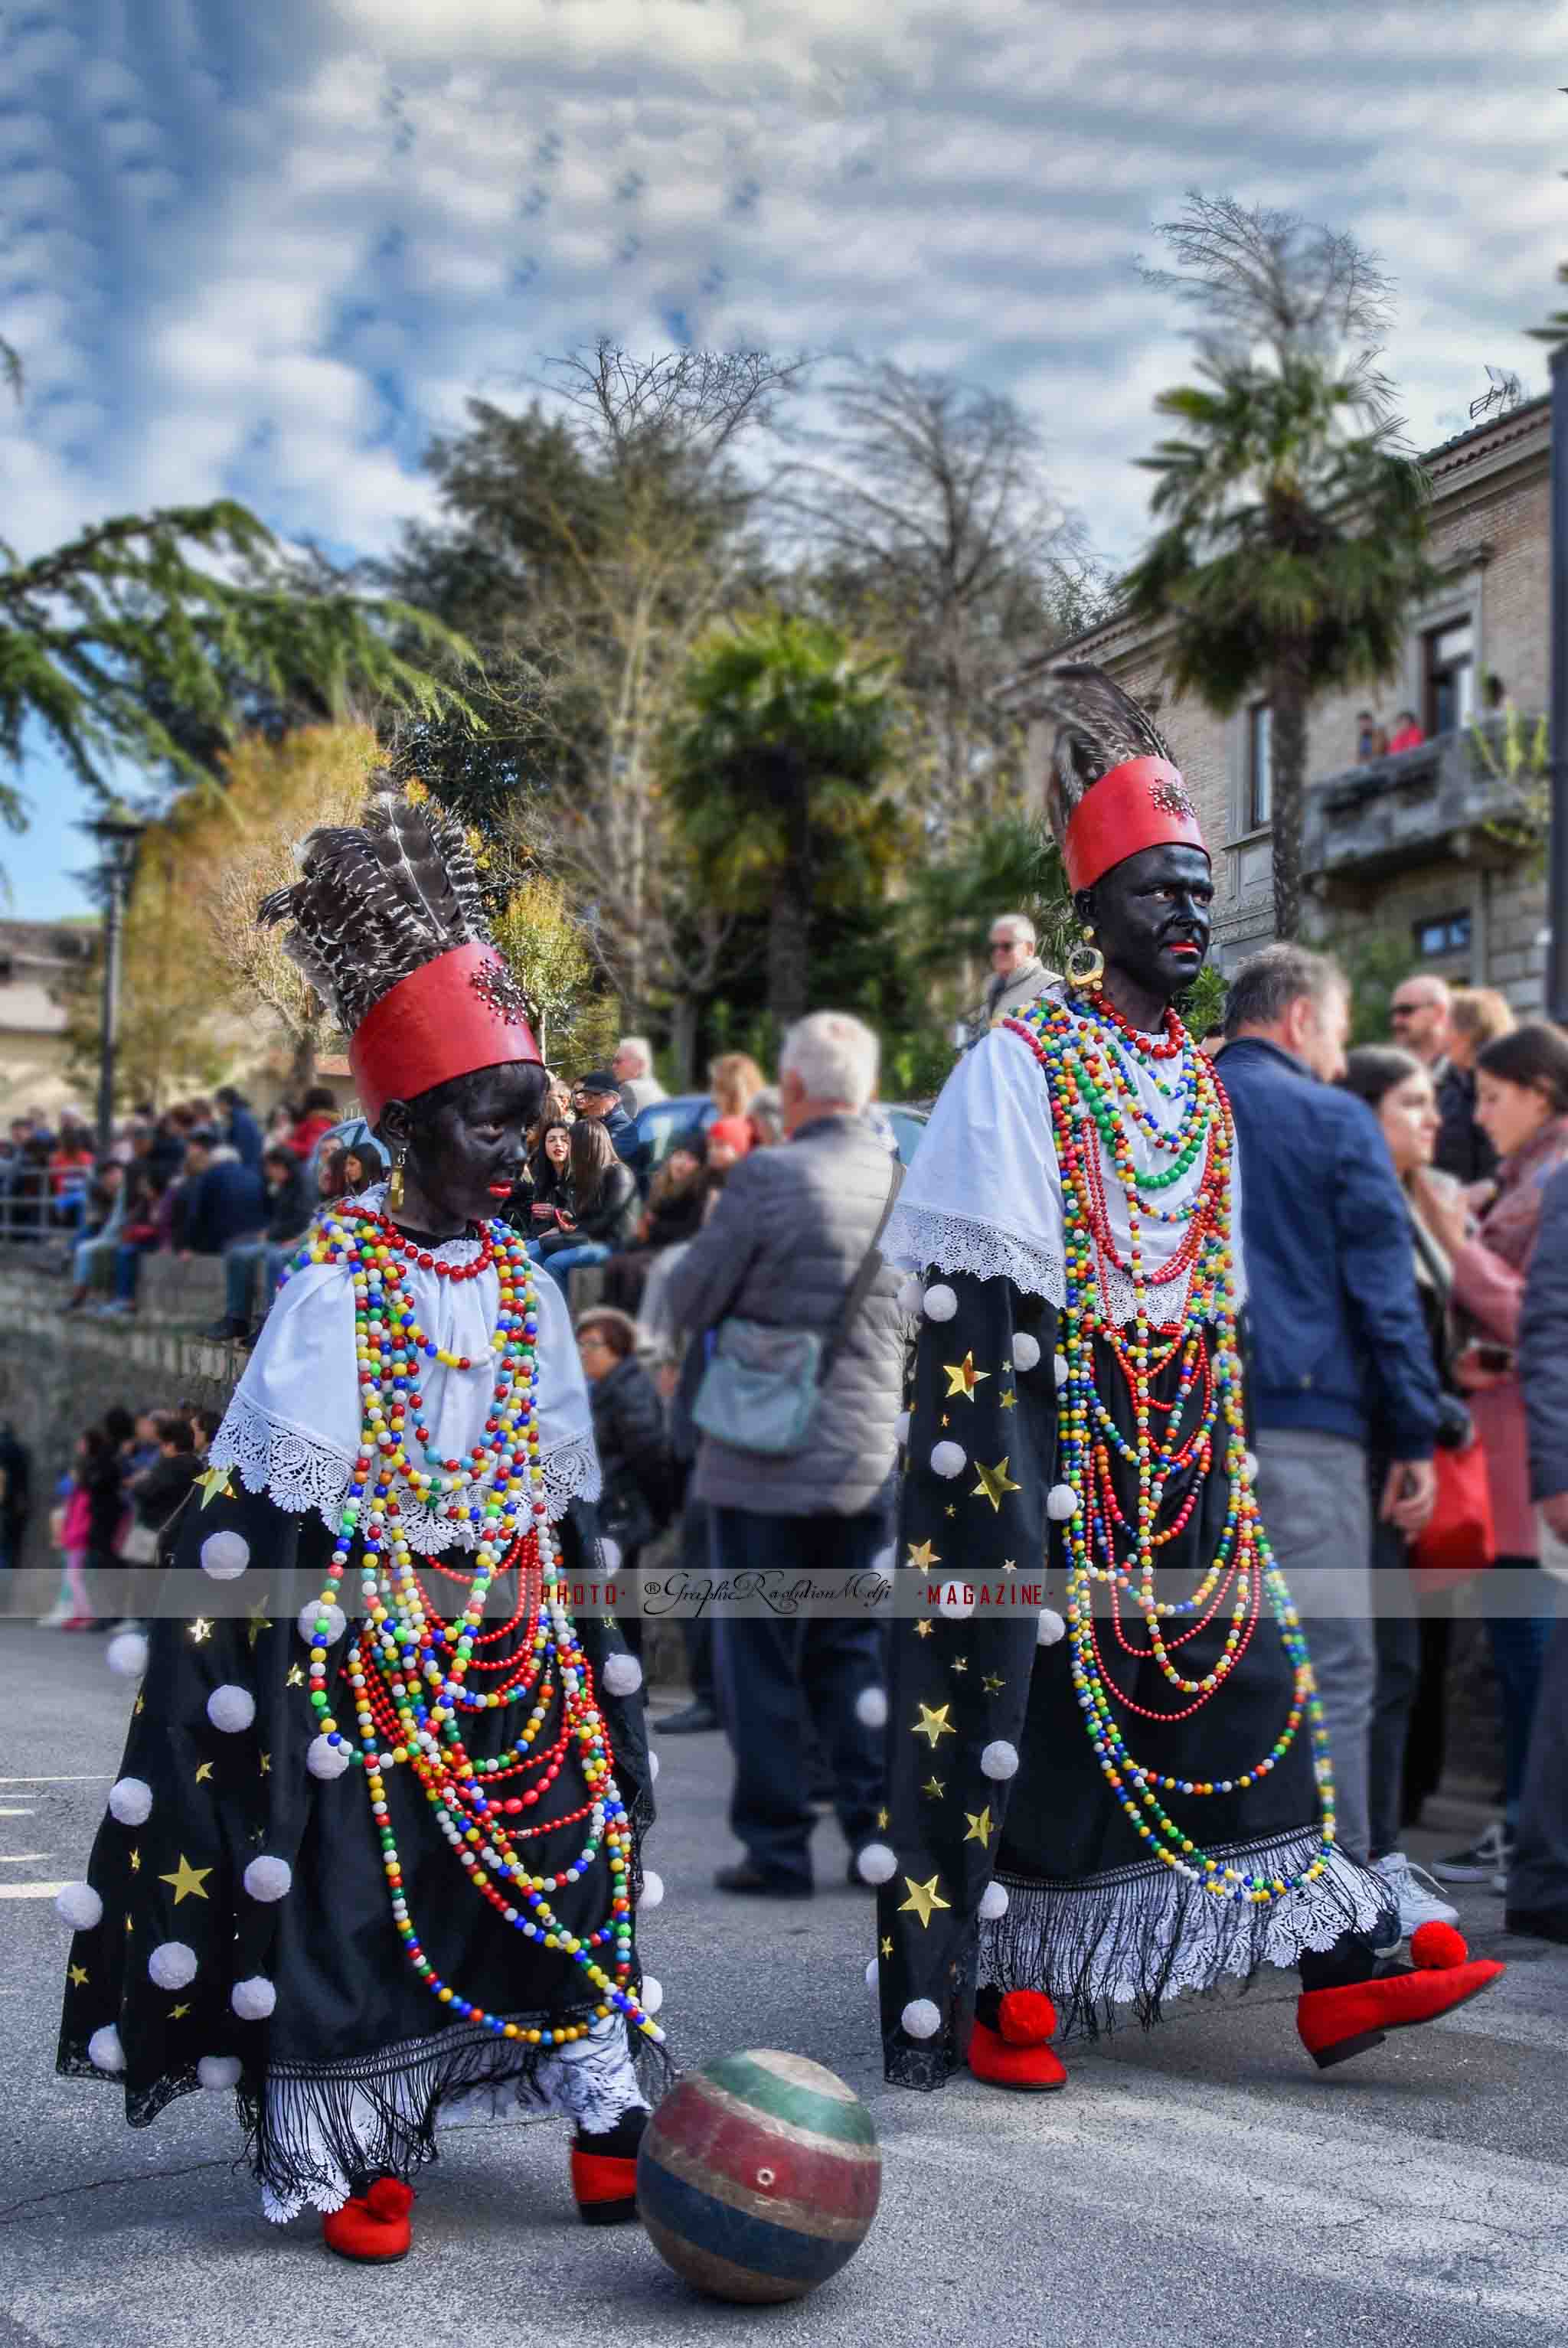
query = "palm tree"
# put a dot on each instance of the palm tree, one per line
(1292, 542)
(774, 766)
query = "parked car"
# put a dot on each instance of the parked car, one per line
(660, 1125)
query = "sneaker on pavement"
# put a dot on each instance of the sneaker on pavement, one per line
(1481, 1861)
(1416, 1893)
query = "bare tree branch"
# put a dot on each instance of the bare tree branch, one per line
(1259, 276)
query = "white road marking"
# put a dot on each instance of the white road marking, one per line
(93, 1777)
(20, 1857)
(31, 1891)
(1309, 2192)
(9, 1811)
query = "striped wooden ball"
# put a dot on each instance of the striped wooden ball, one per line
(757, 2176)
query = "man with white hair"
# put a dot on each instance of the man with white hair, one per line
(785, 1290)
(632, 1069)
(1018, 973)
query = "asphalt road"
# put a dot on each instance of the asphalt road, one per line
(1201, 2184)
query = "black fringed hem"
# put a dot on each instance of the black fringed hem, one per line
(1144, 1934)
(1136, 1937)
(307, 2127)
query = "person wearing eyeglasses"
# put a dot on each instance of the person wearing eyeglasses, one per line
(1017, 975)
(1418, 1016)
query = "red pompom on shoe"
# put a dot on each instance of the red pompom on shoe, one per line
(1436, 1947)
(1032, 2070)
(1027, 2018)
(373, 2226)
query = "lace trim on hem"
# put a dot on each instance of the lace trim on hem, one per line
(321, 2133)
(301, 1473)
(922, 1238)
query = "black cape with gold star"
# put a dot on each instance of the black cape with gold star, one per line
(1089, 1918)
(359, 2054)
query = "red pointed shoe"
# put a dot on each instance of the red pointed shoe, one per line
(374, 2227)
(1336, 2024)
(1015, 2052)
(605, 2172)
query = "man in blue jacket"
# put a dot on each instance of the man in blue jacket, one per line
(1337, 1345)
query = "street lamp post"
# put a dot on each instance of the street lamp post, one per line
(117, 833)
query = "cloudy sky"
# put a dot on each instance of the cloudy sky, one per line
(266, 250)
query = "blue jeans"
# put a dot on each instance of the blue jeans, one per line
(242, 1261)
(1518, 1657)
(564, 1258)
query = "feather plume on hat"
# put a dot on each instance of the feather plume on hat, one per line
(376, 902)
(1098, 726)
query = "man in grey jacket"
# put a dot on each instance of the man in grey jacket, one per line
(1018, 973)
(789, 1232)
(1537, 1885)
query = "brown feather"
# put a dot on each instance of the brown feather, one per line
(1098, 726)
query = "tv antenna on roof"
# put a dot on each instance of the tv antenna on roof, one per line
(1504, 391)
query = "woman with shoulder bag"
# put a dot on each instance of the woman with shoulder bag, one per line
(1522, 1105)
(1399, 1088)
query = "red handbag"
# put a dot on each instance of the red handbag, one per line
(1457, 1539)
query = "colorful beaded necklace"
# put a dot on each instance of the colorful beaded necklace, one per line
(1087, 1053)
(408, 1669)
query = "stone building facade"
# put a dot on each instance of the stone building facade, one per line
(1407, 845)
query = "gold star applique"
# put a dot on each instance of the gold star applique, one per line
(187, 1880)
(963, 1377)
(1006, 1369)
(887, 1949)
(993, 1684)
(129, 1927)
(934, 1787)
(979, 1824)
(993, 1482)
(136, 1862)
(200, 1630)
(959, 1663)
(1007, 1398)
(922, 1899)
(136, 1707)
(79, 1976)
(933, 1724)
(257, 1622)
(203, 1773)
(922, 1557)
(923, 1630)
(950, 1511)
(1009, 1565)
(945, 1420)
(177, 2012)
(266, 1765)
(881, 1822)
(214, 1486)
(295, 1677)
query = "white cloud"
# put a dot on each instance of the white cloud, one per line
(271, 264)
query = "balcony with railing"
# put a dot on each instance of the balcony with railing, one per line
(1463, 795)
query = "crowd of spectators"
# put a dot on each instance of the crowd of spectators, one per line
(117, 1506)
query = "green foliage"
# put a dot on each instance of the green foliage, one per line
(551, 963)
(1517, 756)
(1292, 540)
(1375, 962)
(1007, 865)
(123, 646)
(774, 764)
(1202, 1007)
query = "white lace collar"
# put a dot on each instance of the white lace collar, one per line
(292, 1427)
(984, 1193)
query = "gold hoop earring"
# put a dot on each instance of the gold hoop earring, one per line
(395, 1184)
(1086, 964)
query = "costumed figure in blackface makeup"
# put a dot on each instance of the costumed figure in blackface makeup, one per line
(380, 1864)
(1124, 1792)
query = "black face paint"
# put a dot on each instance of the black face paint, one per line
(1152, 917)
(465, 1143)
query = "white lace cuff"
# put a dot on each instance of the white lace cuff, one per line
(300, 1473)
(921, 1237)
